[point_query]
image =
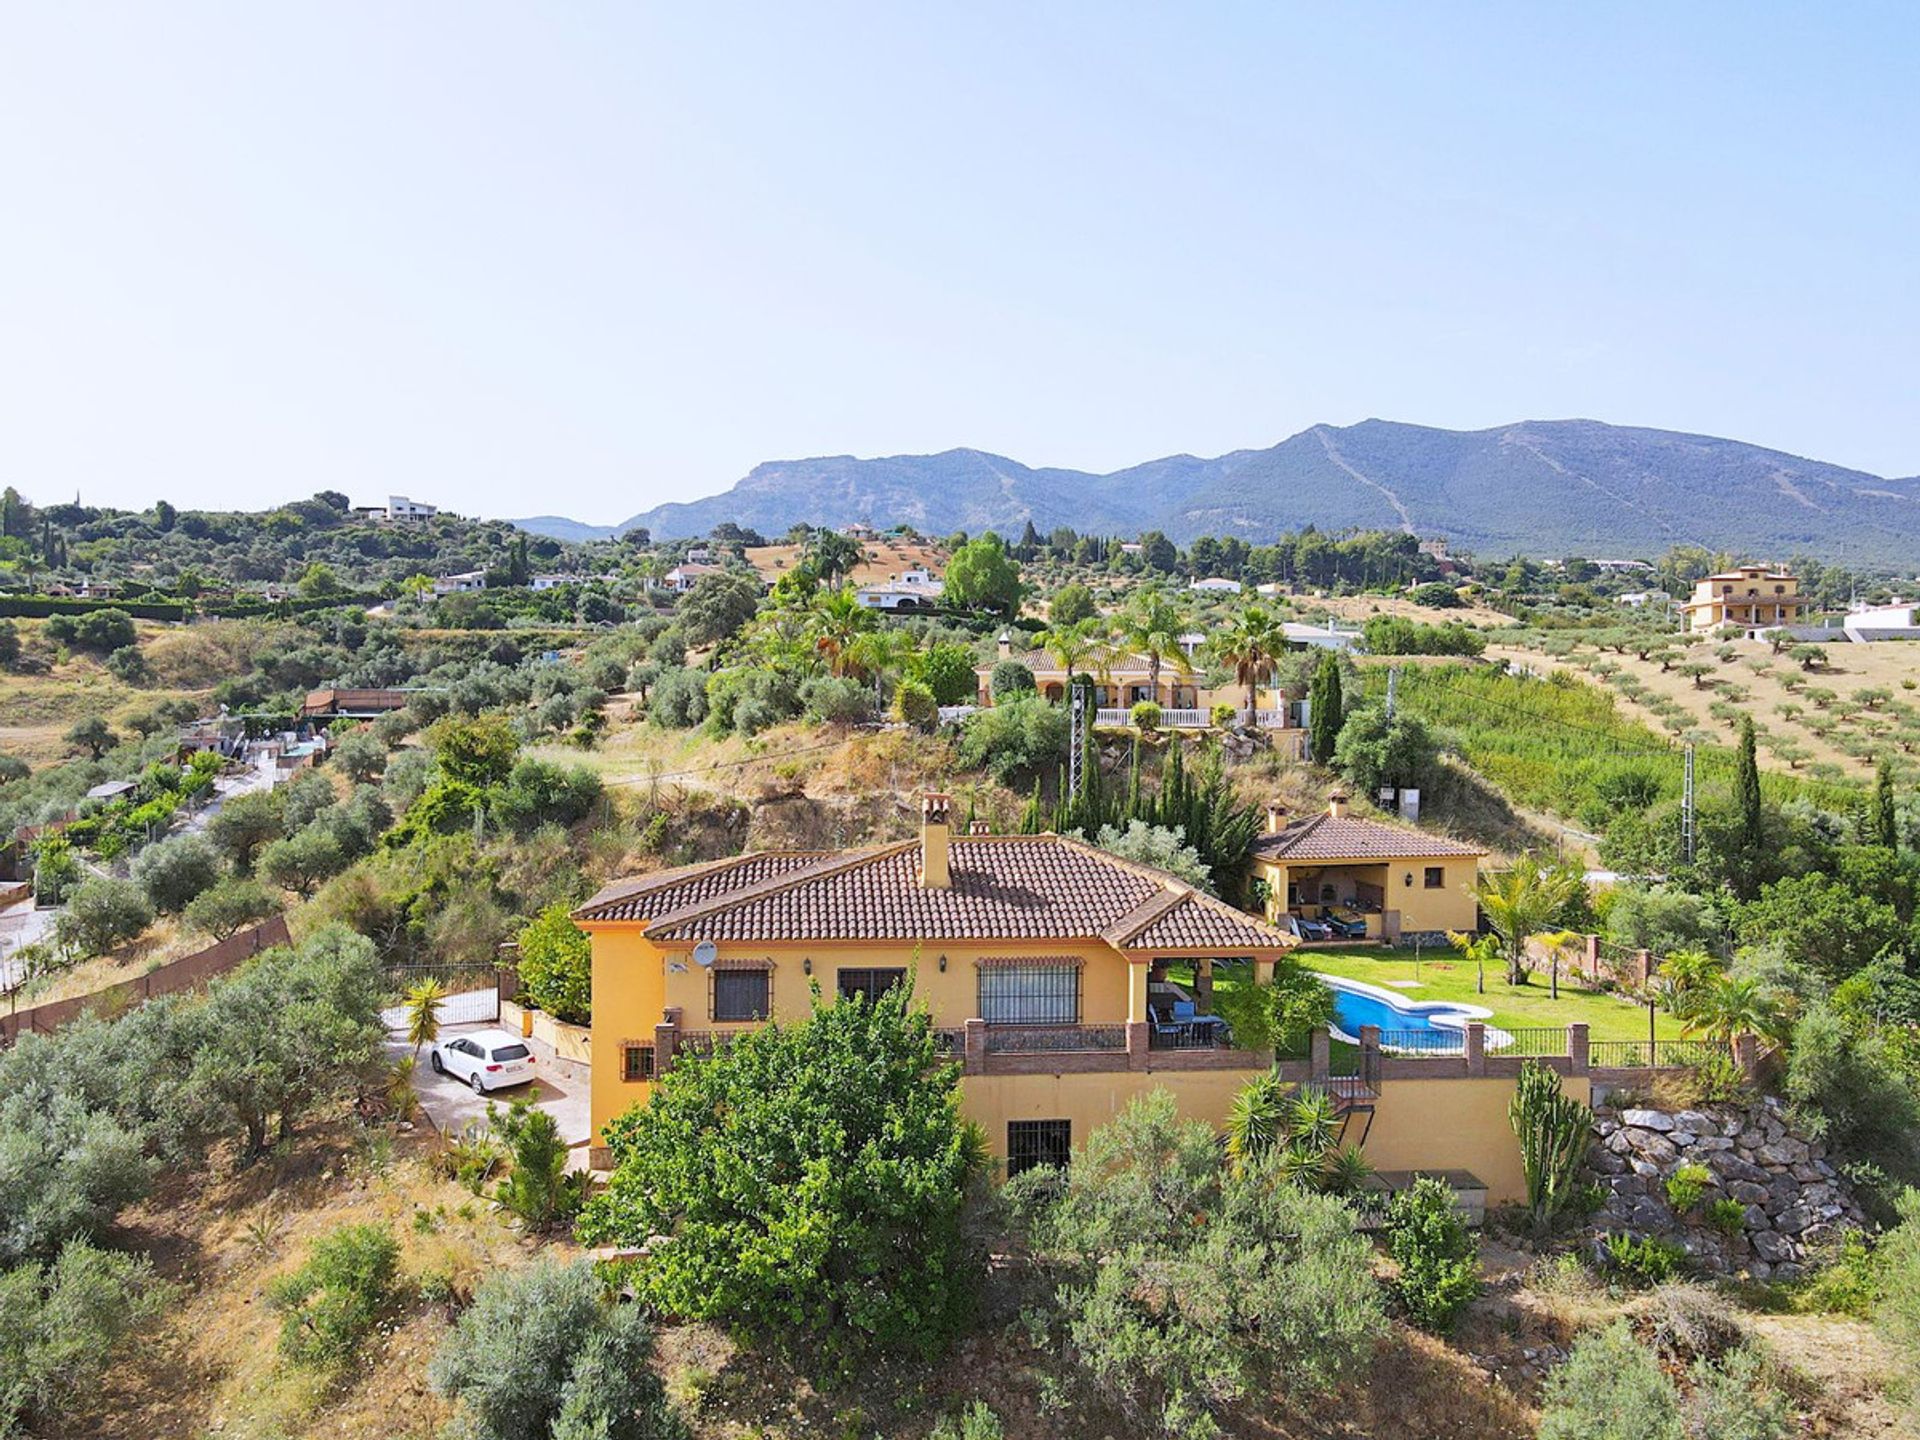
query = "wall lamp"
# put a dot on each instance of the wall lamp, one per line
(806, 965)
(943, 964)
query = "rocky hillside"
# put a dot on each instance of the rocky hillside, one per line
(1547, 488)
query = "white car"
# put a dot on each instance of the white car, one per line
(486, 1060)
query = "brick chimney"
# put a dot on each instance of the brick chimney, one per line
(1005, 645)
(1337, 805)
(1276, 817)
(980, 827)
(936, 842)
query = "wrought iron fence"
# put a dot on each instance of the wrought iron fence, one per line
(1422, 1044)
(1531, 1040)
(469, 994)
(1190, 1035)
(1043, 1039)
(1656, 1054)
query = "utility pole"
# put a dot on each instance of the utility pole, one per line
(1686, 810)
(1077, 739)
(1393, 688)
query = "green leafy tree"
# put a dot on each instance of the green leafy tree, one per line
(1161, 848)
(173, 872)
(538, 1188)
(245, 823)
(477, 751)
(1183, 1286)
(1279, 1014)
(301, 862)
(947, 670)
(101, 913)
(60, 1324)
(1886, 819)
(1822, 921)
(556, 965)
(331, 1303)
(230, 906)
(1325, 713)
(360, 756)
(92, 735)
(1010, 680)
(1070, 605)
(546, 1353)
(1374, 751)
(983, 576)
(808, 1181)
(913, 703)
(1439, 1264)
(718, 607)
(318, 582)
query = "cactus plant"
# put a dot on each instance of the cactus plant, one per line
(1554, 1129)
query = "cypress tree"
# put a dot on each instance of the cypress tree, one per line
(1886, 826)
(1325, 704)
(1746, 787)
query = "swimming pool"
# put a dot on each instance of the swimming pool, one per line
(1431, 1025)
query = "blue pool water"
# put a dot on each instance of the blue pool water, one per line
(1353, 1009)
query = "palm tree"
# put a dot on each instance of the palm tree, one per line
(1152, 627)
(1479, 949)
(1688, 974)
(838, 620)
(1078, 646)
(1251, 645)
(1525, 900)
(1733, 1005)
(423, 1013)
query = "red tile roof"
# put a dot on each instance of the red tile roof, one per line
(1325, 837)
(1005, 887)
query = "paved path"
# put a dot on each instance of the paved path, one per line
(560, 1089)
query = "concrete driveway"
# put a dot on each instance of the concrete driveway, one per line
(560, 1089)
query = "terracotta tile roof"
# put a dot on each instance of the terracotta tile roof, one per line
(1350, 838)
(645, 897)
(1040, 662)
(1005, 887)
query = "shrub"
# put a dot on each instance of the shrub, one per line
(1647, 1261)
(230, 906)
(1610, 1388)
(1736, 1400)
(848, 1123)
(104, 631)
(538, 1189)
(679, 699)
(543, 1353)
(1159, 847)
(556, 965)
(175, 871)
(1280, 1014)
(1015, 741)
(1373, 751)
(301, 862)
(59, 1324)
(1438, 1260)
(1070, 605)
(1851, 1090)
(976, 1422)
(1178, 1321)
(1009, 681)
(538, 792)
(830, 700)
(1145, 716)
(127, 664)
(947, 670)
(1727, 1215)
(747, 701)
(1223, 715)
(1687, 1187)
(913, 703)
(1898, 1311)
(101, 913)
(330, 1303)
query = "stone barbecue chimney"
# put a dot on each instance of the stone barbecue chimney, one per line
(936, 842)
(1276, 817)
(1337, 805)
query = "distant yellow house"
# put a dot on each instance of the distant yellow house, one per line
(1751, 598)
(1400, 880)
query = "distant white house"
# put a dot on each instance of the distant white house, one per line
(548, 582)
(1318, 637)
(398, 509)
(1216, 585)
(1881, 622)
(1190, 642)
(858, 530)
(460, 584)
(1132, 547)
(683, 578)
(915, 589)
(1638, 599)
(700, 554)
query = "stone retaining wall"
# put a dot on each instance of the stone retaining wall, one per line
(1796, 1202)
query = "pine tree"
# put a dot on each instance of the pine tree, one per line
(1886, 824)
(1326, 707)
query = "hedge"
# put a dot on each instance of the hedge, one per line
(32, 607)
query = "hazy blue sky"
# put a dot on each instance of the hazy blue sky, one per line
(577, 258)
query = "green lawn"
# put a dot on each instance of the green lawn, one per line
(1448, 977)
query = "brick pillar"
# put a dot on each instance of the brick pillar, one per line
(666, 1040)
(1320, 1053)
(1593, 957)
(973, 1047)
(1746, 1054)
(1642, 968)
(1203, 986)
(1370, 1051)
(1476, 1047)
(1578, 1054)
(1139, 1044)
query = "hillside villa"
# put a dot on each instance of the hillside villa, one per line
(915, 588)
(1399, 881)
(1057, 976)
(1752, 598)
(1122, 681)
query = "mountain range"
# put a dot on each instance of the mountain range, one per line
(1541, 488)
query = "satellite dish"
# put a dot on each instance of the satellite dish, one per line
(705, 953)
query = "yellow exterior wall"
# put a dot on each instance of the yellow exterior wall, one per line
(1452, 1125)
(628, 996)
(1450, 907)
(1091, 1100)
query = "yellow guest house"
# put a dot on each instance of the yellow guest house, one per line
(1753, 598)
(1399, 880)
(1065, 981)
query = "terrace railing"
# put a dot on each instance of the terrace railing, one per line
(1188, 1035)
(1048, 1039)
(1538, 1040)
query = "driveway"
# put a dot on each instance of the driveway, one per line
(560, 1089)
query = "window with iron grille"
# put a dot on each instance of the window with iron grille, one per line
(868, 983)
(636, 1062)
(1038, 1142)
(1030, 994)
(741, 994)
(1436, 877)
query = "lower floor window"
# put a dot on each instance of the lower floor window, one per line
(636, 1062)
(868, 984)
(1038, 1142)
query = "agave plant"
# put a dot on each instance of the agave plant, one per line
(1345, 1171)
(1257, 1119)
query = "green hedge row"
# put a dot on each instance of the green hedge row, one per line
(39, 606)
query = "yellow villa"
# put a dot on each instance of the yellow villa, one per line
(1395, 880)
(1064, 980)
(1752, 598)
